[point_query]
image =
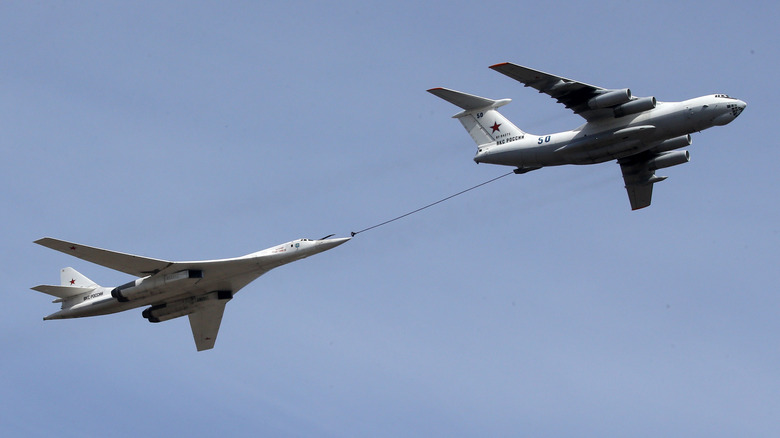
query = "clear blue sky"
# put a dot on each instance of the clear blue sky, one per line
(539, 305)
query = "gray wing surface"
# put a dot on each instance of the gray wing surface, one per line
(463, 100)
(640, 195)
(573, 94)
(127, 263)
(639, 178)
(205, 324)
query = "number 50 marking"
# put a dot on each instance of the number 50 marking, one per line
(543, 140)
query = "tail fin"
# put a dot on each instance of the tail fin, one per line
(479, 116)
(72, 283)
(72, 277)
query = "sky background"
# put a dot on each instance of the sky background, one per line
(539, 305)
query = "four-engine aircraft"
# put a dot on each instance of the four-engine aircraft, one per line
(640, 133)
(171, 289)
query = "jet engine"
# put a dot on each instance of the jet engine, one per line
(610, 98)
(669, 159)
(185, 306)
(153, 285)
(673, 143)
(635, 106)
(164, 312)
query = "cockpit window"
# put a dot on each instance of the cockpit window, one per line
(725, 96)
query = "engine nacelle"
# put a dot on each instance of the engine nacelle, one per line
(669, 159)
(185, 306)
(610, 98)
(635, 106)
(673, 143)
(165, 312)
(153, 285)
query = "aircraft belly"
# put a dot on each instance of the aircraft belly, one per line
(104, 306)
(526, 156)
(232, 282)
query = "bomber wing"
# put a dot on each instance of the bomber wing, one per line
(205, 324)
(573, 94)
(127, 263)
(228, 274)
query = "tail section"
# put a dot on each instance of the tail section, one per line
(72, 283)
(72, 277)
(480, 117)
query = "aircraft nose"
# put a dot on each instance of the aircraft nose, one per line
(741, 105)
(326, 244)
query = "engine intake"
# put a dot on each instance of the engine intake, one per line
(610, 98)
(673, 143)
(185, 306)
(165, 312)
(635, 106)
(155, 284)
(669, 159)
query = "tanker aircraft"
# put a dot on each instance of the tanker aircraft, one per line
(171, 289)
(639, 132)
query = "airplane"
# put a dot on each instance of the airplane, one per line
(199, 289)
(639, 132)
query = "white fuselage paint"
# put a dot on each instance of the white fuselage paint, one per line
(597, 142)
(246, 269)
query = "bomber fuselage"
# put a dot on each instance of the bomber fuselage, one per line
(193, 279)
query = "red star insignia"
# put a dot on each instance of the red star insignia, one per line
(495, 127)
(72, 281)
(73, 248)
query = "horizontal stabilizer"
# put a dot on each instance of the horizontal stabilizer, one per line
(62, 291)
(468, 102)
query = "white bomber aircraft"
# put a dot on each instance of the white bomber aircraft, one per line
(640, 133)
(171, 289)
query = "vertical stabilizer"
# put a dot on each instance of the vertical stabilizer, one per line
(480, 117)
(73, 278)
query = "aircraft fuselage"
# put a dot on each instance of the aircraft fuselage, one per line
(199, 279)
(665, 127)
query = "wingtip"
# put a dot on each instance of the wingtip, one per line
(495, 66)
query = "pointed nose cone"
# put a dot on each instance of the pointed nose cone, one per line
(326, 244)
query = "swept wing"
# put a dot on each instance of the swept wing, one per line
(205, 324)
(639, 173)
(127, 263)
(573, 94)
